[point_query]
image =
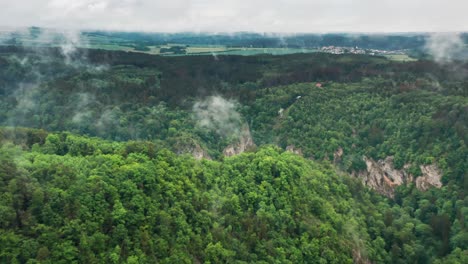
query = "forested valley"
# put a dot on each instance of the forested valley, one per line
(121, 157)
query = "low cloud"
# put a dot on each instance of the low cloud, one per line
(444, 47)
(218, 114)
(70, 42)
(83, 113)
(26, 104)
(240, 15)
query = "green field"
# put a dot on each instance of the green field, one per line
(399, 57)
(273, 51)
(221, 50)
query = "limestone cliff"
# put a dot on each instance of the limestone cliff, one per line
(199, 153)
(293, 149)
(382, 176)
(190, 147)
(431, 175)
(337, 155)
(245, 142)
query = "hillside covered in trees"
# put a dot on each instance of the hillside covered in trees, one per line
(116, 157)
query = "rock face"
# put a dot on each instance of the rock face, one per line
(192, 148)
(199, 153)
(244, 143)
(293, 149)
(430, 177)
(359, 258)
(337, 155)
(382, 176)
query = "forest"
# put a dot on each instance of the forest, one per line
(120, 157)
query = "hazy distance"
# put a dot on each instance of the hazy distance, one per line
(241, 15)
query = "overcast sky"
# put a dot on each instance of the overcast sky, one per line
(239, 15)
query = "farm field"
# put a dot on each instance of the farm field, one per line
(221, 50)
(400, 57)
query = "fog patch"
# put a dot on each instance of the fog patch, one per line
(219, 115)
(26, 97)
(444, 47)
(70, 43)
(108, 122)
(72, 40)
(83, 106)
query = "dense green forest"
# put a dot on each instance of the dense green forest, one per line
(68, 198)
(96, 161)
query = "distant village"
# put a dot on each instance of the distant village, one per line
(357, 50)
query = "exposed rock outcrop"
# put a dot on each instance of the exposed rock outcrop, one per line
(199, 153)
(337, 155)
(431, 176)
(359, 258)
(280, 112)
(382, 176)
(192, 148)
(245, 142)
(293, 149)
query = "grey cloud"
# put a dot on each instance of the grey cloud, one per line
(444, 46)
(239, 15)
(83, 102)
(218, 114)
